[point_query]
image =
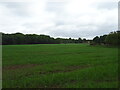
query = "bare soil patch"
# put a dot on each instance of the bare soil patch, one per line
(14, 67)
(68, 69)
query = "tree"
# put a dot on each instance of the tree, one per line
(80, 40)
(102, 39)
(96, 40)
(19, 38)
(113, 38)
(84, 40)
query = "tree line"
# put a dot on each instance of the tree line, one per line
(113, 38)
(20, 38)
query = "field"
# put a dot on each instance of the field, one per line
(60, 66)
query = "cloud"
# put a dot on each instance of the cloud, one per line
(59, 18)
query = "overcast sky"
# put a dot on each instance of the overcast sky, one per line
(59, 18)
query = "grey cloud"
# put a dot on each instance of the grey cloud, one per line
(55, 6)
(64, 25)
(59, 23)
(87, 32)
(106, 5)
(16, 7)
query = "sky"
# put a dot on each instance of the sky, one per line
(59, 18)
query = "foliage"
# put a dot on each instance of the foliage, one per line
(19, 38)
(113, 38)
(96, 39)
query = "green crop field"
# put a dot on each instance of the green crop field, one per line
(60, 66)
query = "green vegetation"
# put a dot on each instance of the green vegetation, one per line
(112, 39)
(60, 66)
(19, 38)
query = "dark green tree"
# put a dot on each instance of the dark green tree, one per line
(113, 38)
(96, 40)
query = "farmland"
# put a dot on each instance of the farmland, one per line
(59, 66)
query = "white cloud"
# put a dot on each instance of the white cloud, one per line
(59, 18)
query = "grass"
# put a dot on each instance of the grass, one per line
(60, 66)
